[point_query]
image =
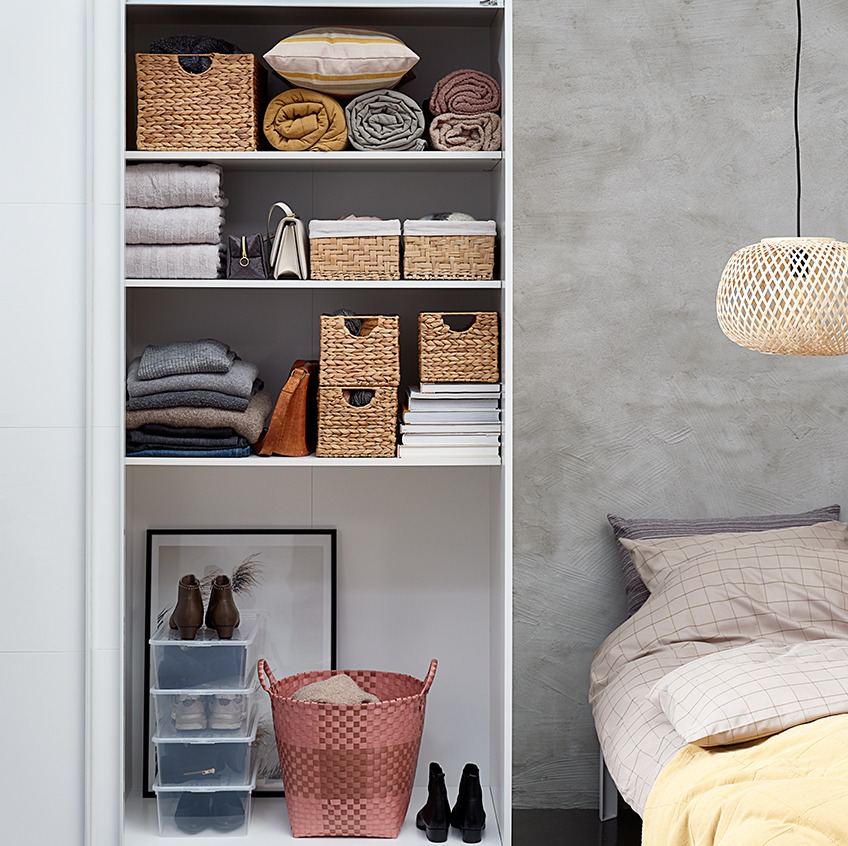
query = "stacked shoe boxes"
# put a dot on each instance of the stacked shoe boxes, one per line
(204, 697)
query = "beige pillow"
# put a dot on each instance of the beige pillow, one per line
(656, 556)
(340, 61)
(755, 690)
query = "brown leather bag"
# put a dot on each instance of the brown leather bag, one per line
(293, 429)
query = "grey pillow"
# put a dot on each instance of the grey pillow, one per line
(647, 527)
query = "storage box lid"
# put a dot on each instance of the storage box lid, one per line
(352, 228)
(450, 227)
(205, 691)
(243, 635)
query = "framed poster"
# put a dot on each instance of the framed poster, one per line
(289, 574)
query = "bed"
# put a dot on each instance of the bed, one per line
(711, 698)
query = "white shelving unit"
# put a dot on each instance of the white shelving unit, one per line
(424, 549)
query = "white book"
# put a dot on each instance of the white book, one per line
(419, 451)
(448, 428)
(478, 416)
(419, 403)
(473, 398)
(460, 387)
(428, 439)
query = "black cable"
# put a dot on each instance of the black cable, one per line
(797, 133)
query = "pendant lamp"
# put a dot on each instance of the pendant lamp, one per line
(787, 296)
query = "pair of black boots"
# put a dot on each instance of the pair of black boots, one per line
(436, 817)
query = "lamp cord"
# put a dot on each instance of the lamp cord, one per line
(797, 133)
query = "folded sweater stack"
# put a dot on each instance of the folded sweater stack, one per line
(173, 221)
(194, 399)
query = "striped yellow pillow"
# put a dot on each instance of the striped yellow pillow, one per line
(341, 62)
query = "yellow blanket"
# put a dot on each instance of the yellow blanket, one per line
(299, 120)
(789, 789)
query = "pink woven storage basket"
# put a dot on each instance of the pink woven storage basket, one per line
(348, 769)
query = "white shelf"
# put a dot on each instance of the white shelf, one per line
(312, 461)
(309, 284)
(269, 825)
(346, 160)
(330, 4)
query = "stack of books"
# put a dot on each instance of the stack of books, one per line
(451, 420)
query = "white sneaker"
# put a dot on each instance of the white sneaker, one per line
(189, 713)
(227, 713)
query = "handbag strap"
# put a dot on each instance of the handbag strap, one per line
(285, 209)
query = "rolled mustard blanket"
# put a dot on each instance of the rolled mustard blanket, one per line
(298, 120)
(477, 133)
(465, 92)
(385, 120)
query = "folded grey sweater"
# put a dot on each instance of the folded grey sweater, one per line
(195, 399)
(237, 381)
(204, 356)
(247, 423)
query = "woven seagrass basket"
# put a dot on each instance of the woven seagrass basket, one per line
(356, 257)
(446, 355)
(348, 431)
(348, 769)
(214, 110)
(448, 256)
(371, 358)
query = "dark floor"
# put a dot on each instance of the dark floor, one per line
(574, 828)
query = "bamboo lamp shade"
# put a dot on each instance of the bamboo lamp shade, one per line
(787, 296)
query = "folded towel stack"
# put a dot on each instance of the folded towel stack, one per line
(466, 105)
(194, 399)
(174, 220)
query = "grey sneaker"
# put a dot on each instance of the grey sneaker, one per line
(227, 713)
(188, 713)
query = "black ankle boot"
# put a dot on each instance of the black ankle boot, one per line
(434, 817)
(468, 814)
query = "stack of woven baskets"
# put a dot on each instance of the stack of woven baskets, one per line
(359, 376)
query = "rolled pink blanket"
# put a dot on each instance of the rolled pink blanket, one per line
(466, 132)
(465, 92)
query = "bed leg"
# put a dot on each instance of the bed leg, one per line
(608, 800)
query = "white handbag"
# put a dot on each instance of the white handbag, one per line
(288, 245)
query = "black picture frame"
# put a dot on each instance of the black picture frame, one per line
(270, 557)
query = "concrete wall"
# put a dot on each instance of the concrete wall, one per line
(653, 140)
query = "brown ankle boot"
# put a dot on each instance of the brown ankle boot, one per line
(188, 612)
(221, 613)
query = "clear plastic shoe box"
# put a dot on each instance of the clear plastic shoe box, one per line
(205, 761)
(206, 810)
(207, 661)
(203, 713)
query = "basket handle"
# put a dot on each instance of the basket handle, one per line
(264, 673)
(431, 674)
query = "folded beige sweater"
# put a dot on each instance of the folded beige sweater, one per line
(340, 689)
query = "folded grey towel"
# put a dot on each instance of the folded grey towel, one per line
(204, 356)
(174, 226)
(385, 120)
(195, 399)
(247, 423)
(156, 185)
(340, 689)
(237, 381)
(173, 261)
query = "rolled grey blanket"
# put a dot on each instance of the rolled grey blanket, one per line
(478, 133)
(237, 381)
(174, 226)
(247, 423)
(157, 185)
(385, 120)
(173, 261)
(204, 356)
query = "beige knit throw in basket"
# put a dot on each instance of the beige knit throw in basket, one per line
(348, 769)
